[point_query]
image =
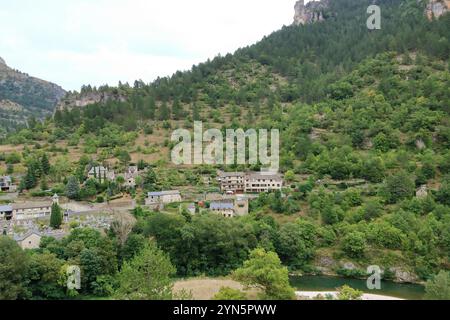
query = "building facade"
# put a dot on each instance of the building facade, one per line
(252, 182)
(28, 210)
(30, 240)
(130, 176)
(232, 182)
(163, 197)
(6, 184)
(6, 212)
(258, 183)
(224, 208)
(31, 210)
(230, 208)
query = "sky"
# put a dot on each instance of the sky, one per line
(76, 42)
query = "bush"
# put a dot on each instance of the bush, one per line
(398, 187)
(354, 244)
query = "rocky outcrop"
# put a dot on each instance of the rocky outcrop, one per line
(404, 276)
(313, 11)
(10, 106)
(437, 8)
(80, 100)
(35, 96)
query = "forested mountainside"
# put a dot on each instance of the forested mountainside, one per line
(308, 58)
(23, 96)
(365, 152)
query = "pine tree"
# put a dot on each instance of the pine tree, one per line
(177, 110)
(164, 112)
(45, 164)
(30, 180)
(196, 113)
(9, 168)
(72, 188)
(44, 185)
(56, 217)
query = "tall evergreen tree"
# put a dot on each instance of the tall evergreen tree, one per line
(177, 110)
(164, 112)
(72, 188)
(196, 113)
(30, 179)
(56, 216)
(45, 164)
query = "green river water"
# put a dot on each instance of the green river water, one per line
(327, 283)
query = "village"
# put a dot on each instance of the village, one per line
(26, 220)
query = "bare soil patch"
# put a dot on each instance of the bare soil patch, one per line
(206, 289)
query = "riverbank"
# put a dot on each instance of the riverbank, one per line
(323, 284)
(320, 295)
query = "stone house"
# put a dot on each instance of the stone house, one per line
(130, 176)
(6, 212)
(224, 208)
(29, 240)
(6, 184)
(163, 197)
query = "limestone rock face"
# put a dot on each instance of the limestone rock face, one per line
(22, 96)
(80, 100)
(404, 276)
(7, 105)
(313, 11)
(437, 8)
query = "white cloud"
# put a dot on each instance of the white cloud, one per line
(77, 42)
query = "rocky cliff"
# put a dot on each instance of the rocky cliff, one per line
(9, 106)
(32, 95)
(436, 8)
(313, 11)
(79, 100)
(316, 11)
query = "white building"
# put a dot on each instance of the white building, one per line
(257, 182)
